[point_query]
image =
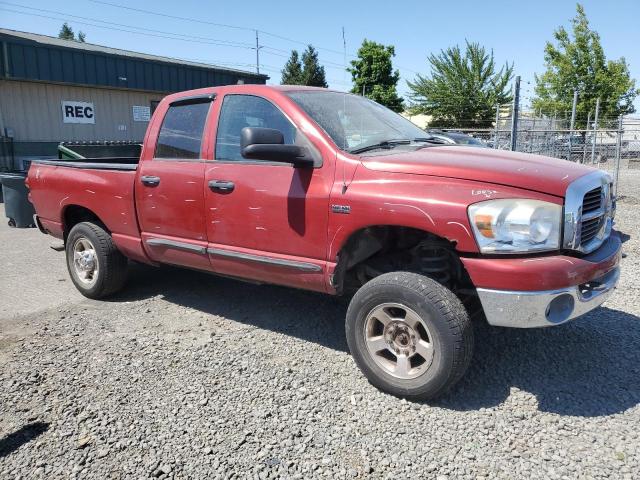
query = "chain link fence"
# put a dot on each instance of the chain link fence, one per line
(613, 146)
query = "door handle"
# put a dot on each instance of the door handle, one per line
(150, 181)
(221, 186)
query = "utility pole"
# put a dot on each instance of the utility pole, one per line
(515, 111)
(595, 132)
(573, 122)
(258, 47)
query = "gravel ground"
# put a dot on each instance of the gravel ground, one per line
(186, 375)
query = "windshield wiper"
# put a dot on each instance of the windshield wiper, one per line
(437, 141)
(383, 144)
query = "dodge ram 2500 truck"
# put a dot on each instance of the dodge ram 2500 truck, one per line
(331, 192)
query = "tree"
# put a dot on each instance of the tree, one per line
(66, 33)
(306, 72)
(292, 71)
(373, 75)
(463, 89)
(579, 63)
(313, 72)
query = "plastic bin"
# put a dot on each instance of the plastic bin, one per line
(17, 206)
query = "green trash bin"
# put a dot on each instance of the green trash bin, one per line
(17, 206)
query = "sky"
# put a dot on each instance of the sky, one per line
(224, 33)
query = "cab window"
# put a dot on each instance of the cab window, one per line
(240, 111)
(181, 132)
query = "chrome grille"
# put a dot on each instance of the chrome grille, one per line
(589, 229)
(592, 215)
(592, 200)
(588, 212)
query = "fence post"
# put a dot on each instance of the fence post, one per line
(584, 147)
(595, 132)
(618, 148)
(573, 123)
(495, 142)
(514, 114)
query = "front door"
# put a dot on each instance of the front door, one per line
(169, 193)
(265, 220)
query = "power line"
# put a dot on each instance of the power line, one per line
(207, 22)
(123, 29)
(177, 36)
(207, 40)
(237, 27)
(157, 33)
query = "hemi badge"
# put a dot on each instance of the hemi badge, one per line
(346, 209)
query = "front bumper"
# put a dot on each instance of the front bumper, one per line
(572, 286)
(504, 308)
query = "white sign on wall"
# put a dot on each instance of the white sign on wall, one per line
(77, 112)
(141, 113)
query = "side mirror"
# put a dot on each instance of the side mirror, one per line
(267, 144)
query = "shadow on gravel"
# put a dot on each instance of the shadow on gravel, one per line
(310, 316)
(24, 435)
(590, 367)
(587, 368)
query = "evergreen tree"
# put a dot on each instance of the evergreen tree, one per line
(292, 71)
(306, 72)
(579, 63)
(372, 74)
(463, 88)
(66, 32)
(313, 72)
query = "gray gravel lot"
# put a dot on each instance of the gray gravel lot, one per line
(185, 375)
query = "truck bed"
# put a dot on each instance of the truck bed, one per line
(104, 186)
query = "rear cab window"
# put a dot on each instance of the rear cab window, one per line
(181, 132)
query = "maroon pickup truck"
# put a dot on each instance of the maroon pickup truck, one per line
(331, 192)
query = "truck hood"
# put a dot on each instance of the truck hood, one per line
(521, 170)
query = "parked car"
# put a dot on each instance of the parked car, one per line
(457, 138)
(332, 192)
(573, 148)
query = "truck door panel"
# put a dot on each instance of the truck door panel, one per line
(169, 192)
(272, 225)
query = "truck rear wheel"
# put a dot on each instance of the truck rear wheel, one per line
(410, 336)
(95, 265)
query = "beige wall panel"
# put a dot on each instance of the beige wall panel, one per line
(33, 110)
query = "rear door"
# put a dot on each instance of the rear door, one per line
(265, 220)
(169, 193)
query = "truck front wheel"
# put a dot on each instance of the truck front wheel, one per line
(95, 265)
(409, 335)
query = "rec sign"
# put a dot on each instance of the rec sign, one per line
(77, 112)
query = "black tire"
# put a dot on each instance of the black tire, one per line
(449, 328)
(112, 265)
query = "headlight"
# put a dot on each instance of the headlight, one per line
(516, 226)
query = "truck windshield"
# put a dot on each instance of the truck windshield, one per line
(354, 122)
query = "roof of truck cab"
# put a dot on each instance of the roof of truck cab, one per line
(253, 88)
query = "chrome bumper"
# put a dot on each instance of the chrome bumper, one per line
(517, 309)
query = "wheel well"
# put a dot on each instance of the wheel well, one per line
(75, 214)
(375, 250)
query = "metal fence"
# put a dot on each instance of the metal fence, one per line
(613, 145)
